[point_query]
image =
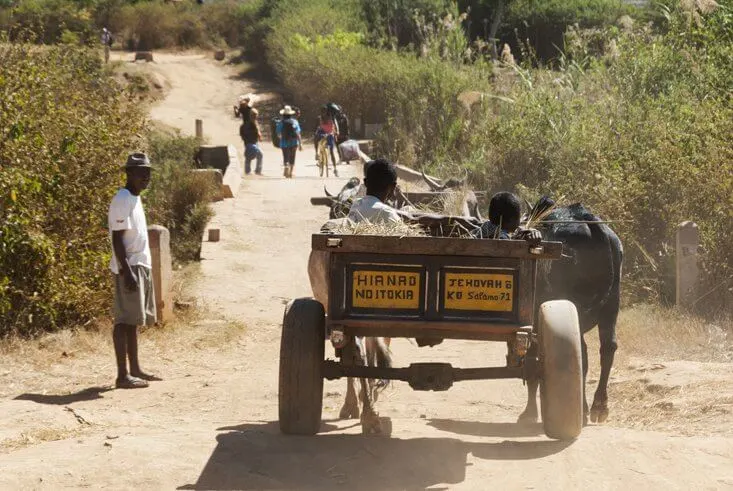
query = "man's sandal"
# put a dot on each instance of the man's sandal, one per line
(131, 383)
(146, 376)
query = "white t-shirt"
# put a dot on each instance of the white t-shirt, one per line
(126, 213)
(371, 209)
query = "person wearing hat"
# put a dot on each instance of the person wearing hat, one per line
(134, 297)
(288, 131)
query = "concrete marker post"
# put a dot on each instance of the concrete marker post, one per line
(688, 240)
(159, 241)
(199, 129)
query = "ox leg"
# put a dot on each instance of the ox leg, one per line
(350, 409)
(530, 413)
(584, 354)
(607, 335)
(370, 424)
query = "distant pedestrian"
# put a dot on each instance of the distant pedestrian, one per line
(251, 136)
(244, 104)
(134, 297)
(288, 132)
(106, 39)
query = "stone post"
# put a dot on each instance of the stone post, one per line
(688, 238)
(159, 239)
(199, 129)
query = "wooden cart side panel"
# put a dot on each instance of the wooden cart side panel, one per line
(526, 288)
(434, 246)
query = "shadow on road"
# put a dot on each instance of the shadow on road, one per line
(88, 394)
(257, 456)
(479, 428)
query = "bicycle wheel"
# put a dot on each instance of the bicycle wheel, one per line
(322, 157)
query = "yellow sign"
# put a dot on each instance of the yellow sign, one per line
(478, 291)
(386, 290)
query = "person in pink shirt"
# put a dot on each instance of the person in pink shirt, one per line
(327, 128)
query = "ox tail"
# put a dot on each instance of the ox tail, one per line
(384, 356)
(383, 359)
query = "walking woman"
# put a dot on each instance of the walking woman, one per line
(288, 132)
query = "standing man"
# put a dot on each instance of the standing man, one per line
(106, 42)
(134, 297)
(288, 131)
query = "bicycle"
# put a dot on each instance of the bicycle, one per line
(322, 155)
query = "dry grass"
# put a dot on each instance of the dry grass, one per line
(38, 435)
(62, 360)
(348, 227)
(659, 333)
(671, 373)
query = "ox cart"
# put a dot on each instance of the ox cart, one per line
(431, 288)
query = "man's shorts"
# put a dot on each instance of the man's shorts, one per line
(135, 308)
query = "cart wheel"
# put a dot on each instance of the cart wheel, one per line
(301, 367)
(561, 384)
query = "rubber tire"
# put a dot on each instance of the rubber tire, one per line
(561, 383)
(302, 349)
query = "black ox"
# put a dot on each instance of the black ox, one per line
(589, 275)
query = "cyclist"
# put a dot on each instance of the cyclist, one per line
(327, 128)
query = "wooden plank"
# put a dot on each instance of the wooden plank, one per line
(434, 246)
(525, 291)
(434, 329)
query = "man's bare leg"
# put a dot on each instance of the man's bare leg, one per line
(120, 340)
(135, 370)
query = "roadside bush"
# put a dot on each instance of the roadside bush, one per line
(633, 122)
(316, 51)
(64, 129)
(543, 22)
(641, 136)
(178, 199)
(136, 25)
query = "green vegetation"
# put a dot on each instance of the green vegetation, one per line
(634, 121)
(178, 199)
(65, 128)
(138, 25)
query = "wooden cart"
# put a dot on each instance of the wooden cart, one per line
(432, 288)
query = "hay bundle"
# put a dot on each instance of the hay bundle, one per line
(344, 226)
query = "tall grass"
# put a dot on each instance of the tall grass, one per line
(634, 122)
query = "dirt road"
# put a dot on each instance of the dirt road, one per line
(212, 424)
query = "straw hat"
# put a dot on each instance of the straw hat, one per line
(287, 111)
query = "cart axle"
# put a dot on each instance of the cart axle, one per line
(421, 376)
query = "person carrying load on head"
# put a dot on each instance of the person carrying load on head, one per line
(328, 129)
(251, 136)
(244, 104)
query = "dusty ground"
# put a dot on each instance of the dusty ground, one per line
(211, 424)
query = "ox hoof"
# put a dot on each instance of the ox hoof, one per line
(599, 413)
(371, 425)
(349, 411)
(527, 417)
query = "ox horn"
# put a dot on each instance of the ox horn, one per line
(434, 186)
(327, 193)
